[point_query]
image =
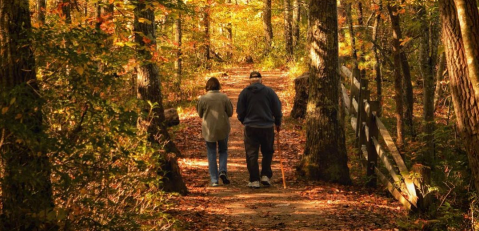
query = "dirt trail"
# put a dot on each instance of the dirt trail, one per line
(302, 206)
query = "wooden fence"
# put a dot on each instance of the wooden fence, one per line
(371, 137)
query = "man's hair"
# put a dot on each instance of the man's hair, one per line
(254, 74)
(212, 84)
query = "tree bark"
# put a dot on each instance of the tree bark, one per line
(301, 97)
(468, 16)
(41, 8)
(325, 155)
(149, 89)
(178, 62)
(426, 60)
(362, 72)
(66, 10)
(406, 73)
(377, 65)
(352, 35)
(396, 45)
(441, 66)
(26, 184)
(206, 21)
(463, 95)
(288, 32)
(296, 21)
(229, 29)
(268, 27)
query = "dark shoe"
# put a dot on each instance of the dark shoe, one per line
(224, 178)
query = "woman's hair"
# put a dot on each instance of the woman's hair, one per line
(212, 84)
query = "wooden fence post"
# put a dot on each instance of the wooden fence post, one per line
(371, 147)
(363, 118)
(362, 91)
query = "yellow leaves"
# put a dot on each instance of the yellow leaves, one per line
(12, 101)
(4, 110)
(144, 20)
(405, 40)
(80, 70)
(18, 116)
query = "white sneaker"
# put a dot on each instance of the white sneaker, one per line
(254, 184)
(265, 181)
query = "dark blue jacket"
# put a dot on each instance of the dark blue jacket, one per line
(259, 106)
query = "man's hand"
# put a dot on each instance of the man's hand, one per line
(278, 128)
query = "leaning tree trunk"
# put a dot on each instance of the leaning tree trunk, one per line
(296, 21)
(325, 155)
(149, 89)
(26, 186)
(463, 95)
(396, 45)
(288, 32)
(268, 27)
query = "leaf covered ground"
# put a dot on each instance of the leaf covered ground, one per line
(302, 205)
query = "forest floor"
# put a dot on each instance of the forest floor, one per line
(303, 205)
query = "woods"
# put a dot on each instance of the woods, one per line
(98, 129)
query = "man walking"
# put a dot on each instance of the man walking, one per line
(259, 110)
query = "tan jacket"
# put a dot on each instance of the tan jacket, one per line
(215, 108)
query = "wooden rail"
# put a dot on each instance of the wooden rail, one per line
(370, 131)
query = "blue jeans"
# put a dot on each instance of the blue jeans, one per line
(223, 151)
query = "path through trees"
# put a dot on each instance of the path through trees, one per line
(302, 206)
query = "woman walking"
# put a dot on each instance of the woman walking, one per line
(215, 108)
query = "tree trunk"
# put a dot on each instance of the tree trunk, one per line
(360, 13)
(463, 95)
(377, 65)
(206, 21)
(41, 8)
(426, 61)
(301, 97)
(406, 73)
(441, 66)
(396, 45)
(468, 16)
(149, 89)
(178, 62)
(26, 186)
(296, 21)
(409, 99)
(66, 10)
(288, 32)
(229, 29)
(361, 29)
(325, 155)
(352, 35)
(268, 27)
(98, 14)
